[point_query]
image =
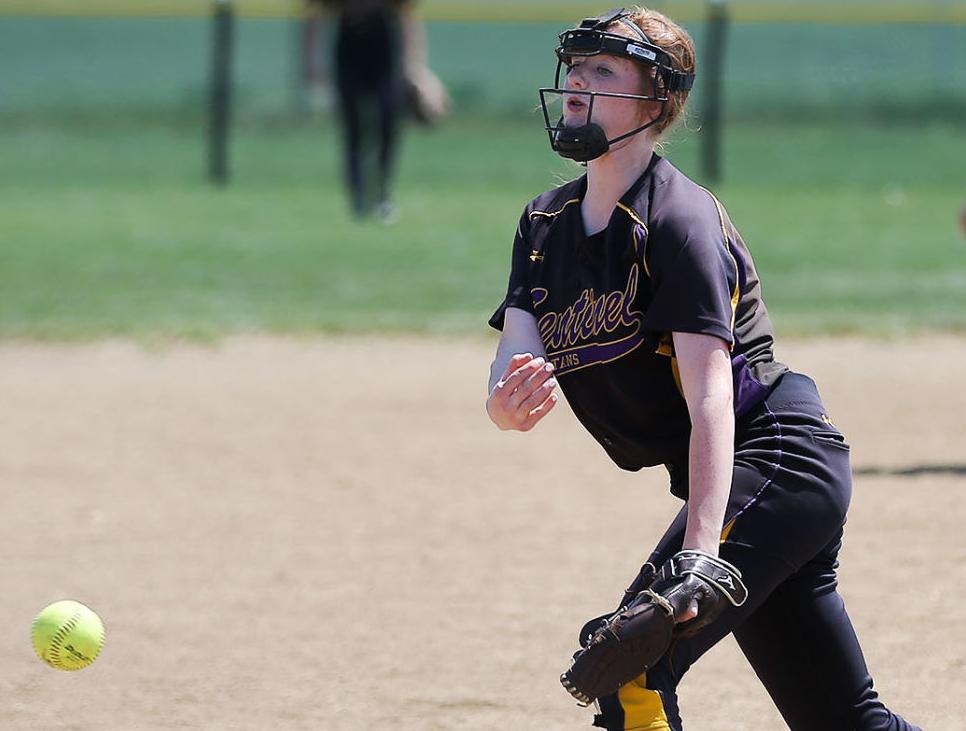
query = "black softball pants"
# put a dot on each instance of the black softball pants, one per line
(369, 78)
(783, 530)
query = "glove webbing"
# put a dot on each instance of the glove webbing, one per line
(656, 598)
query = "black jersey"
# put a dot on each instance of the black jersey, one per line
(606, 305)
(368, 40)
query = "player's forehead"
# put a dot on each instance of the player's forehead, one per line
(587, 47)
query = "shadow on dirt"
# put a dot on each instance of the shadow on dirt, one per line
(913, 471)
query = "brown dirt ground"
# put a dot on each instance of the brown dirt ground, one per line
(328, 535)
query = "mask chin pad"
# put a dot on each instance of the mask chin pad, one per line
(581, 144)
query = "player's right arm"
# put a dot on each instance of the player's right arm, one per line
(522, 386)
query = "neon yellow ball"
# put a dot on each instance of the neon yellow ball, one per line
(67, 635)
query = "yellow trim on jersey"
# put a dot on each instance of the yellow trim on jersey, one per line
(724, 233)
(637, 243)
(666, 345)
(666, 348)
(727, 529)
(633, 214)
(554, 213)
(643, 707)
(676, 372)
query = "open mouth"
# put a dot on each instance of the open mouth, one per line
(574, 104)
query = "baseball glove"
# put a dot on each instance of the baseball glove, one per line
(617, 649)
(426, 96)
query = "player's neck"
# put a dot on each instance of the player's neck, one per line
(609, 177)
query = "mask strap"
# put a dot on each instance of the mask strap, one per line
(636, 28)
(621, 16)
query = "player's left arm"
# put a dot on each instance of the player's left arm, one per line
(431, 96)
(691, 589)
(704, 362)
(414, 38)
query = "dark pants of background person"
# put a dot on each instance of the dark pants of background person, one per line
(369, 78)
(783, 530)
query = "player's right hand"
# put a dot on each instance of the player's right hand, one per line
(524, 394)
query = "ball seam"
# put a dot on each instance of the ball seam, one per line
(58, 639)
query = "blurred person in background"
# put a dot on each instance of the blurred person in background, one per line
(380, 73)
(316, 57)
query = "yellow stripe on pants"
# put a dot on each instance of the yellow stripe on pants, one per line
(643, 707)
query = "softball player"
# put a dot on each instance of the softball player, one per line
(370, 42)
(631, 289)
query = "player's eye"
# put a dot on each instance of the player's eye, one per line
(604, 71)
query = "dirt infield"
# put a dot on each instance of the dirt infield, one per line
(329, 535)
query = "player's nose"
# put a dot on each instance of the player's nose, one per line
(575, 79)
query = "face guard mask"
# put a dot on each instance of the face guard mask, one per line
(589, 141)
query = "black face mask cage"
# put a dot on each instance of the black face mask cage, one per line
(655, 96)
(588, 141)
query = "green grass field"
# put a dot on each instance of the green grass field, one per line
(110, 229)
(117, 233)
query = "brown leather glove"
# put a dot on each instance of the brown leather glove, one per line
(617, 649)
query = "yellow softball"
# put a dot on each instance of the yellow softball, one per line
(67, 635)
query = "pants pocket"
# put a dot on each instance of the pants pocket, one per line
(830, 438)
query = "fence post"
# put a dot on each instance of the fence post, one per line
(220, 101)
(711, 116)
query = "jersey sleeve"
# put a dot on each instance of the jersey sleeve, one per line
(518, 290)
(694, 278)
